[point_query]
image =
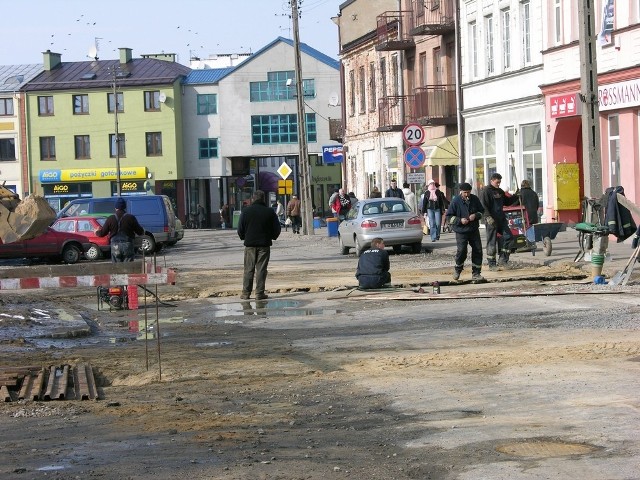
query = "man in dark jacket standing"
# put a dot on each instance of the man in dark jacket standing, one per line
(122, 227)
(493, 199)
(373, 266)
(394, 191)
(464, 214)
(530, 201)
(258, 226)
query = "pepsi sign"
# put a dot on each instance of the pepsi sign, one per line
(332, 154)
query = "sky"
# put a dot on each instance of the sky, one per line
(185, 27)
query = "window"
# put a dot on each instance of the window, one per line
(154, 144)
(483, 156)
(279, 86)
(614, 150)
(47, 148)
(363, 96)
(422, 69)
(6, 107)
(506, 39)
(510, 150)
(372, 87)
(80, 104)
(473, 49)
(532, 155)
(383, 76)
(111, 102)
(152, 101)
(437, 66)
(275, 129)
(82, 146)
(207, 104)
(395, 76)
(526, 32)
(45, 106)
(488, 23)
(7, 149)
(119, 145)
(557, 21)
(352, 93)
(207, 148)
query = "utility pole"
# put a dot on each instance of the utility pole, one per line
(591, 159)
(589, 97)
(117, 135)
(303, 156)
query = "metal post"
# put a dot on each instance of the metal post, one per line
(462, 168)
(303, 157)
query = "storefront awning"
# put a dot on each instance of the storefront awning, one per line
(441, 152)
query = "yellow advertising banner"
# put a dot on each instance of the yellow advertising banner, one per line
(92, 174)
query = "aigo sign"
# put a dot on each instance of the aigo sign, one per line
(565, 105)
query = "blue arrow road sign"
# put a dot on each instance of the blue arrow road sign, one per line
(414, 157)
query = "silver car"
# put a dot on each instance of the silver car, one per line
(388, 218)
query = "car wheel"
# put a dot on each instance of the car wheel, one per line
(397, 248)
(343, 250)
(416, 247)
(359, 248)
(93, 253)
(71, 254)
(148, 244)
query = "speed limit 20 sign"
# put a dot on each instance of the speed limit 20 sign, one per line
(413, 134)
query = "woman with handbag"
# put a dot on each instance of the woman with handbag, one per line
(433, 206)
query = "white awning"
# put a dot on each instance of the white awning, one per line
(441, 152)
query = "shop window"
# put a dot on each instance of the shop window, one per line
(483, 156)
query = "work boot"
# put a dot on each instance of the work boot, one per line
(245, 296)
(456, 275)
(477, 278)
(492, 266)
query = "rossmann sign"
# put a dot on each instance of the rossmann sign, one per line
(619, 95)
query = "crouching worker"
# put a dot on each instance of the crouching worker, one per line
(373, 266)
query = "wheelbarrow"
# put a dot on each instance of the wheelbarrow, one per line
(545, 232)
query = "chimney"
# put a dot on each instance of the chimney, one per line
(51, 60)
(126, 55)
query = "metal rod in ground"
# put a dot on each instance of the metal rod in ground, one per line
(158, 325)
(146, 331)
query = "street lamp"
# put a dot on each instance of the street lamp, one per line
(117, 135)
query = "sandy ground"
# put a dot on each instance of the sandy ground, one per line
(321, 380)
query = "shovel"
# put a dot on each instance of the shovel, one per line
(622, 277)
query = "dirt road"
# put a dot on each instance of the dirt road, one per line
(324, 381)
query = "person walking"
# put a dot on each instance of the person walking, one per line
(375, 193)
(121, 227)
(409, 196)
(341, 204)
(294, 212)
(373, 266)
(530, 201)
(225, 219)
(433, 207)
(464, 214)
(394, 191)
(332, 200)
(258, 227)
(201, 216)
(493, 200)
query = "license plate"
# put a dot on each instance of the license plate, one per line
(393, 225)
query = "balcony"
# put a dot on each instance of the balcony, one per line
(432, 17)
(435, 105)
(393, 31)
(336, 130)
(394, 112)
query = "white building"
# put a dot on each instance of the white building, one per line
(241, 125)
(503, 108)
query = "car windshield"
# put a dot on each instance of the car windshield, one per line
(388, 206)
